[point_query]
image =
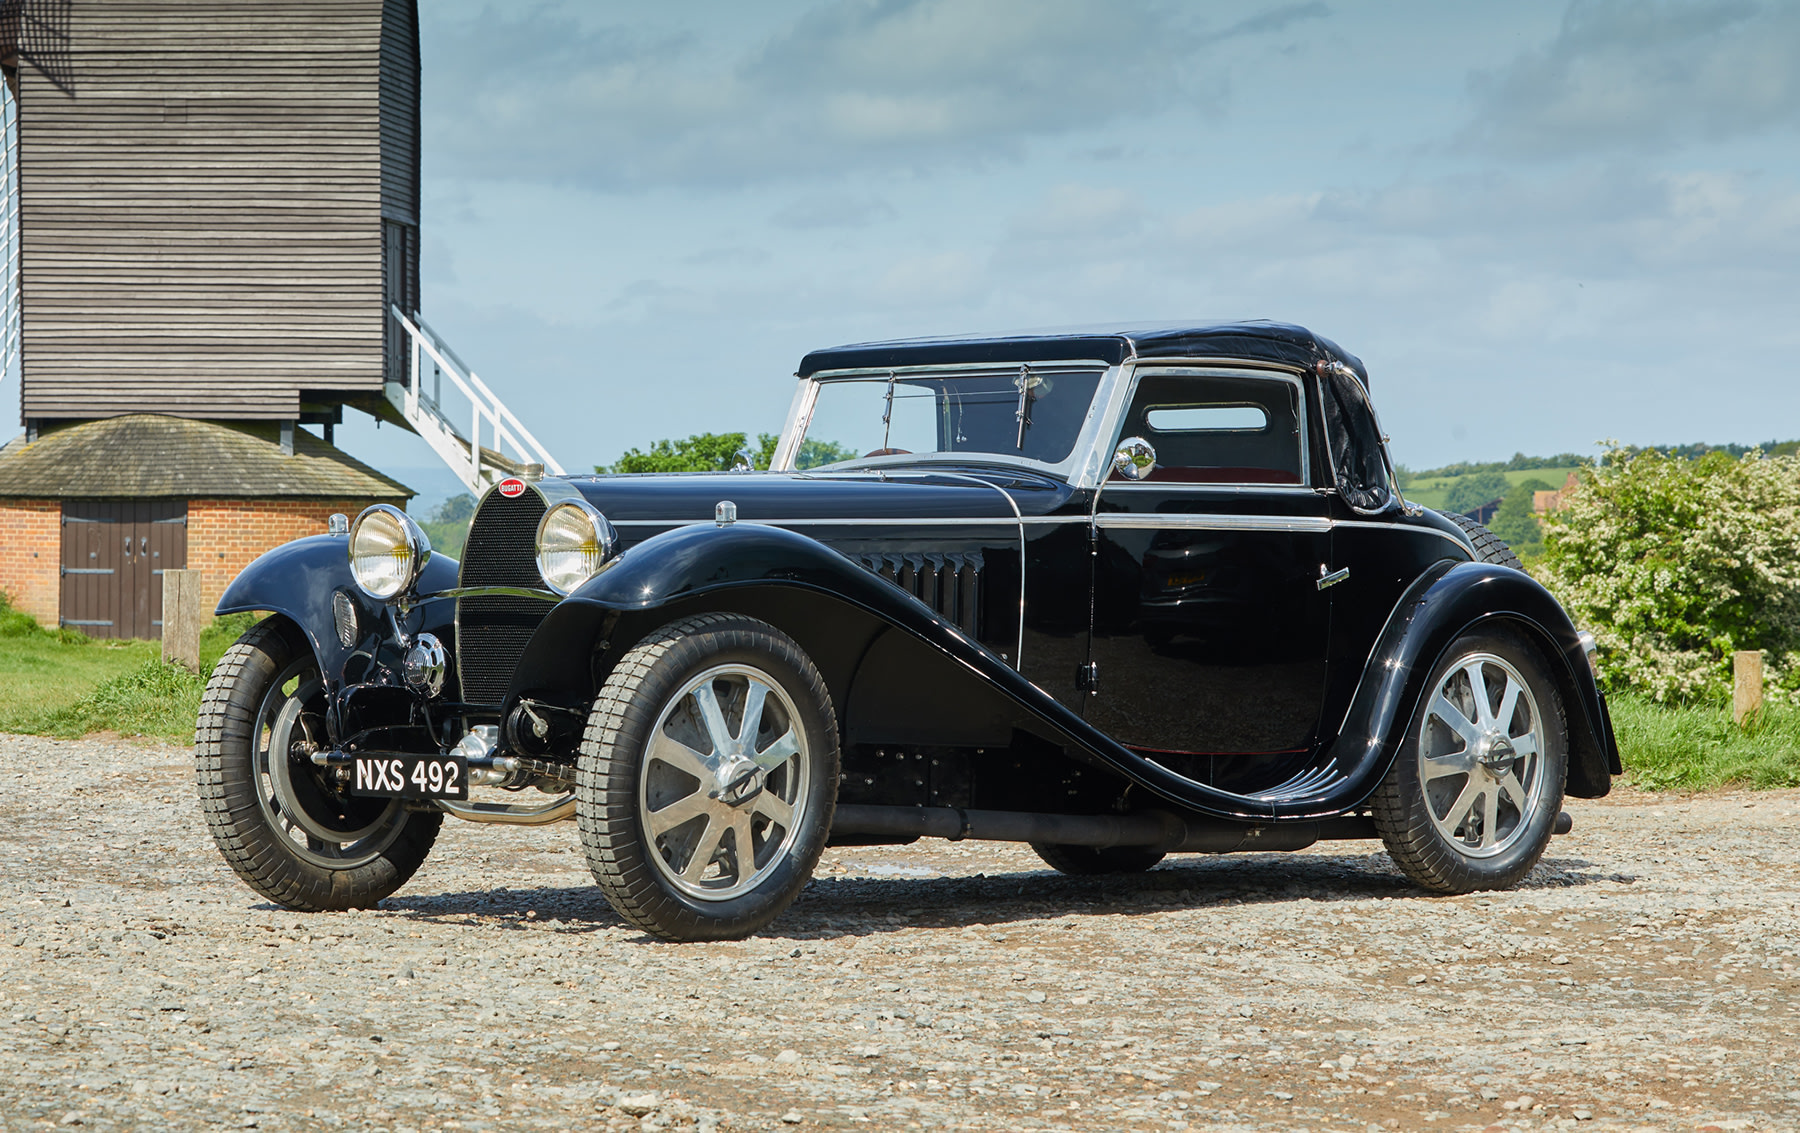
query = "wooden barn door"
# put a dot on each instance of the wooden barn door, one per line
(113, 556)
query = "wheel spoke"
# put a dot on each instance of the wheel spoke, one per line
(775, 809)
(779, 751)
(755, 697)
(1509, 703)
(1478, 689)
(1514, 791)
(677, 813)
(705, 848)
(1462, 807)
(1437, 767)
(745, 844)
(1452, 716)
(667, 749)
(713, 718)
(1490, 817)
(1525, 745)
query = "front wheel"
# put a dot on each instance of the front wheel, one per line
(287, 827)
(1473, 796)
(707, 778)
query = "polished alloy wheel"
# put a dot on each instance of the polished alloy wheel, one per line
(1480, 756)
(317, 823)
(723, 777)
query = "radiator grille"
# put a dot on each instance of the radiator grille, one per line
(948, 581)
(493, 630)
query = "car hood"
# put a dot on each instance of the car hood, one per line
(783, 498)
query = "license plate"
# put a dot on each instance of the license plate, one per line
(410, 776)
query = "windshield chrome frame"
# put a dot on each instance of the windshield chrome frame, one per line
(1080, 467)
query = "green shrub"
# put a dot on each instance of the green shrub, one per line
(1674, 564)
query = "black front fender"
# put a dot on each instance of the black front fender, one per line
(297, 581)
(1446, 601)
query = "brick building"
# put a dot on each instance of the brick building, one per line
(87, 524)
(209, 221)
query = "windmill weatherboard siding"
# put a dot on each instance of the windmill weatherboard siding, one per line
(203, 191)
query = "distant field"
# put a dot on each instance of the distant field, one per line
(1431, 491)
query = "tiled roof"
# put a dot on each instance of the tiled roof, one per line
(150, 455)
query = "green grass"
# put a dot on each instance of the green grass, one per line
(1698, 748)
(62, 683)
(1431, 491)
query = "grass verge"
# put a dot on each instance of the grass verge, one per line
(62, 683)
(1698, 748)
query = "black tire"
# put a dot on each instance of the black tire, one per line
(1429, 817)
(660, 873)
(273, 814)
(1489, 547)
(1087, 861)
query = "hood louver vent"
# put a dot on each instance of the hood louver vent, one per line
(948, 582)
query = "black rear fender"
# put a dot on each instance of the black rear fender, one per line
(1445, 602)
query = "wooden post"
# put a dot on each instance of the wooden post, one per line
(1746, 683)
(181, 618)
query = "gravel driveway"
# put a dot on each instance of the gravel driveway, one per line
(1644, 977)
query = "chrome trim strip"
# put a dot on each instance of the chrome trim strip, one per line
(489, 591)
(1154, 521)
(1417, 528)
(1231, 489)
(842, 521)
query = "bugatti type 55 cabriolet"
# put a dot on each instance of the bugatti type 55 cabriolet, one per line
(1117, 595)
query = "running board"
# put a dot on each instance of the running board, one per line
(1157, 829)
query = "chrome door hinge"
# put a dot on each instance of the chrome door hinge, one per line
(1087, 677)
(1333, 578)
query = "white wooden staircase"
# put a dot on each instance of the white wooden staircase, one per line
(497, 444)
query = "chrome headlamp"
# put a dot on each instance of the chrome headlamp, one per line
(573, 542)
(387, 552)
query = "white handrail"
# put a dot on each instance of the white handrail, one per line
(423, 411)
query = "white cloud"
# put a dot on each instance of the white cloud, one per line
(1640, 75)
(903, 85)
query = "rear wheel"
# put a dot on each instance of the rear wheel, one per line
(286, 826)
(1086, 861)
(708, 778)
(1472, 799)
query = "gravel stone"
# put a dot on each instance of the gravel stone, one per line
(958, 985)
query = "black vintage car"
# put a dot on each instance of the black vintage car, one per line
(1117, 595)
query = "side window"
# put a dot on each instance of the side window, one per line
(1219, 428)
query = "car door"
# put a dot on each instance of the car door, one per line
(1211, 625)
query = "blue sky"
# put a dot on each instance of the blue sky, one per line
(1540, 224)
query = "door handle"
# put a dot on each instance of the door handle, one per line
(1326, 581)
(144, 545)
(127, 548)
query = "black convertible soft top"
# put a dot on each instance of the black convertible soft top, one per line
(1255, 339)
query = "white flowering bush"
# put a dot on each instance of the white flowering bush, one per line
(1674, 564)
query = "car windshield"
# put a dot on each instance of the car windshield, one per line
(1021, 412)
